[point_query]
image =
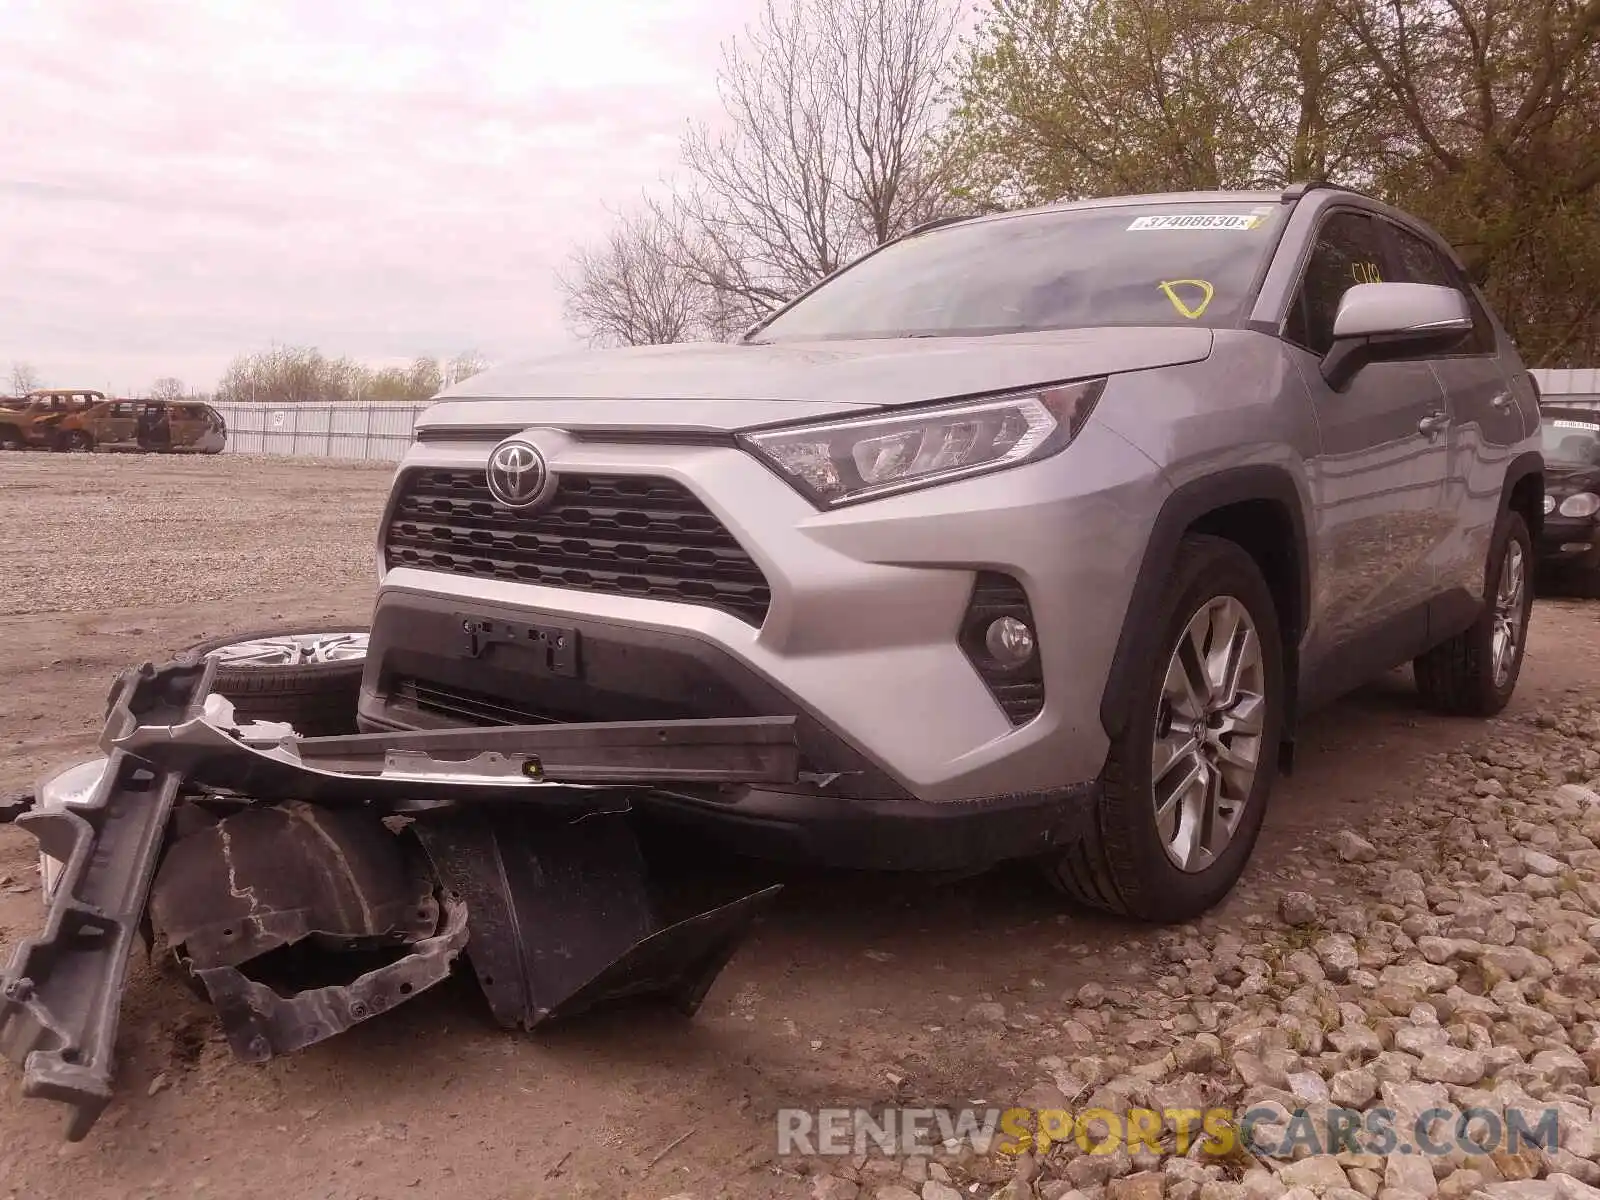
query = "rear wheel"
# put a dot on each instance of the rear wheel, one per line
(1475, 672)
(310, 679)
(11, 438)
(1186, 784)
(77, 441)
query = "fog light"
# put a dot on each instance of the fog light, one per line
(1009, 641)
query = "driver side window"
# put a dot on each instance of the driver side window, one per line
(1348, 251)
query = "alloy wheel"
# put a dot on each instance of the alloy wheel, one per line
(1209, 724)
(1509, 613)
(292, 649)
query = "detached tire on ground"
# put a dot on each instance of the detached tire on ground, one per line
(312, 683)
(1475, 673)
(1186, 784)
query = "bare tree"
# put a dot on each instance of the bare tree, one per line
(632, 288)
(168, 388)
(830, 148)
(24, 379)
(463, 366)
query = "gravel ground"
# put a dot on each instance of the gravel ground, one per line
(1420, 929)
(129, 532)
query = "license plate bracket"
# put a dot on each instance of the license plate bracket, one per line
(547, 649)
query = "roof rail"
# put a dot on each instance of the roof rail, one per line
(1299, 190)
(936, 222)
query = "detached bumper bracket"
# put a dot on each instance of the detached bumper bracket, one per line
(61, 994)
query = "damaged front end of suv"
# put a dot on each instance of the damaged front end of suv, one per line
(306, 884)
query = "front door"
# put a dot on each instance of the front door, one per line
(155, 426)
(1378, 484)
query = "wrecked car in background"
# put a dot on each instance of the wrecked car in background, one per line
(34, 421)
(83, 420)
(144, 426)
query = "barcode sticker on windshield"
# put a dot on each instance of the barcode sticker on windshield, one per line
(1577, 425)
(1199, 221)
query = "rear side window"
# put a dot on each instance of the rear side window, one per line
(1418, 262)
(1348, 251)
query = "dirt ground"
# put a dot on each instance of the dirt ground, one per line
(851, 985)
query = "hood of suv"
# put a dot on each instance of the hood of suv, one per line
(719, 386)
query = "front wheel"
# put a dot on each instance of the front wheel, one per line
(11, 439)
(310, 679)
(76, 441)
(1475, 672)
(1186, 783)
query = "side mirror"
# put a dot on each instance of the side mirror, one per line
(1387, 322)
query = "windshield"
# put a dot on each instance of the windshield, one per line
(1169, 264)
(1572, 441)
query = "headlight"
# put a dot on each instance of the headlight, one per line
(842, 462)
(66, 789)
(1584, 504)
(1549, 504)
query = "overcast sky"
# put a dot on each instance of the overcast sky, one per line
(183, 180)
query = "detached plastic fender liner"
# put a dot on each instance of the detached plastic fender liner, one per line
(562, 917)
(61, 994)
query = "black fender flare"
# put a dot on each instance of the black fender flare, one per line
(1179, 512)
(1529, 462)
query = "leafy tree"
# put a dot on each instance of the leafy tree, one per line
(1481, 116)
(303, 374)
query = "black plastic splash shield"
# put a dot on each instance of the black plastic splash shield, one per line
(562, 918)
(61, 994)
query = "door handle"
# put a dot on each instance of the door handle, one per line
(1502, 402)
(1433, 423)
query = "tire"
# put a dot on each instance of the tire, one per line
(77, 441)
(1122, 865)
(317, 698)
(11, 438)
(1458, 678)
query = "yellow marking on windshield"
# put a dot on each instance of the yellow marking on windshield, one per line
(1365, 272)
(1194, 314)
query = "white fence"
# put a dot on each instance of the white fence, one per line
(362, 431)
(382, 431)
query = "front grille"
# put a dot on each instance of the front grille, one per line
(469, 707)
(624, 535)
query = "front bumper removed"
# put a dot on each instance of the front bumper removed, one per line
(261, 860)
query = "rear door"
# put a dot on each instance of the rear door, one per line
(1486, 422)
(1378, 483)
(114, 423)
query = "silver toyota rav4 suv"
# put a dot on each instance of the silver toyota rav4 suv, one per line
(1048, 528)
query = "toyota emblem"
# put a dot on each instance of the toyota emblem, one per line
(518, 477)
